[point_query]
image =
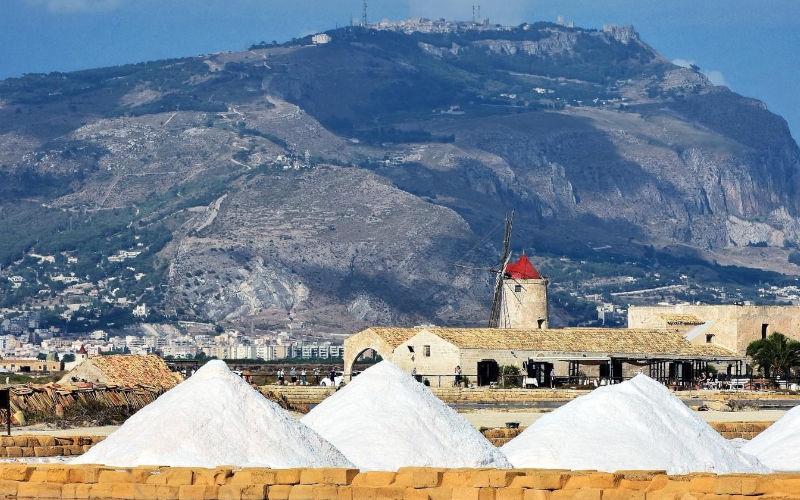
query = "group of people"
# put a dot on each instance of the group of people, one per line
(317, 374)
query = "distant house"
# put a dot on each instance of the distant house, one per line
(124, 370)
(320, 39)
(12, 365)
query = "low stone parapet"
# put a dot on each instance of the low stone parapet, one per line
(312, 394)
(729, 430)
(46, 446)
(743, 430)
(57, 481)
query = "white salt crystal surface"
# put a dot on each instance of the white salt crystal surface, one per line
(778, 446)
(384, 419)
(635, 425)
(214, 418)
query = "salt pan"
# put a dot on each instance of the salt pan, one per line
(384, 419)
(778, 446)
(638, 424)
(214, 418)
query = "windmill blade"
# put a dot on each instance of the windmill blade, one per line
(507, 240)
(494, 318)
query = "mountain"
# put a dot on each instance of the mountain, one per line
(333, 182)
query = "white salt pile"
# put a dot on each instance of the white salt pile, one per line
(214, 418)
(638, 424)
(384, 419)
(778, 446)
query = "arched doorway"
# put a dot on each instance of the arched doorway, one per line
(351, 356)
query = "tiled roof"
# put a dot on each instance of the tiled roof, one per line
(620, 341)
(395, 336)
(681, 319)
(128, 371)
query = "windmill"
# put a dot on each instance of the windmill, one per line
(499, 271)
(494, 319)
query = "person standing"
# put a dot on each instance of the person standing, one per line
(280, 376)
(303, 376)
(457, 381)
(332, 376)
(552, 378)
(293, 375)
(316, 375)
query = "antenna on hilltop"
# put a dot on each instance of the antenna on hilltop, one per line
(364, 13)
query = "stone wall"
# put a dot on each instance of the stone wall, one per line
(524, 304)
(732, 326)
(310, 394)
(729, 430)
(54, 446)
(58, 481)
(46, 446)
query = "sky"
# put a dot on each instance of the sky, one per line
(748, 45)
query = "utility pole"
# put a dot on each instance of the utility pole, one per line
(364, 14)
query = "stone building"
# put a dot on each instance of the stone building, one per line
(13, 365)
(524, 296)
(668, 343)
(590, 353)
(730, 326)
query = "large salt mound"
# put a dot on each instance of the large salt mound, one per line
(778, 446)
(214, 418)
(638, 424)
(384, 419)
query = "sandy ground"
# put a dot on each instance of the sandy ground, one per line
(498, 418)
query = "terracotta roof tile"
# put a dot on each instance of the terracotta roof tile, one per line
(129, 370)
(395, 336)
(681, 319)
(622, 341)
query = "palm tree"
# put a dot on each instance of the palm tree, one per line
(776, 352)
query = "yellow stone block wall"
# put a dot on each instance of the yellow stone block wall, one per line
(58, 481)
(52, 446)
(729, 430)
(46, 446)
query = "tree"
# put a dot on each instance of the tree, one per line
(776, 352)
(511, 376)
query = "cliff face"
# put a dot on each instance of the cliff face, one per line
(333, 186)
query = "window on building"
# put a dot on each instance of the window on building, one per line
(426, 351)
(709, 338)
(764, 327)
(517, 288)
(411, 349)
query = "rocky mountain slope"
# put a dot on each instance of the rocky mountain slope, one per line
(325, 187)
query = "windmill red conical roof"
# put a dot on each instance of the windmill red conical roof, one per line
(522, 269)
